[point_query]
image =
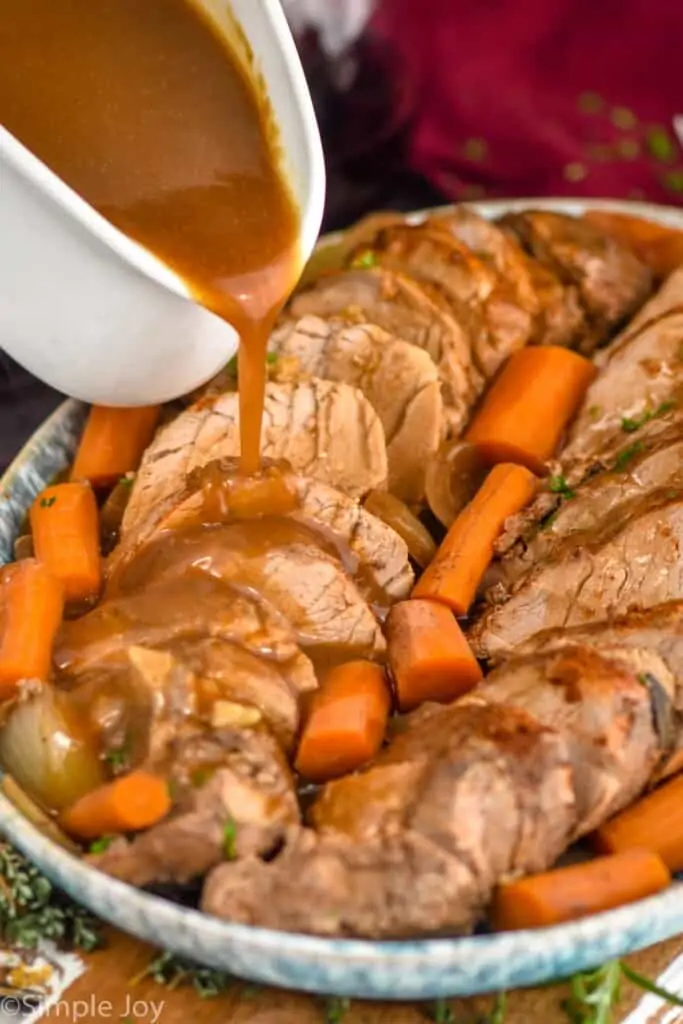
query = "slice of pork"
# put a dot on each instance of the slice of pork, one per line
(654, 639)
(598, 703)
(399, 380)
(641, 371)
(287, 568)
(495, 324)
(611, 280)
(618, 493)
(414, 844)
(236, 798)
(631, 563)
(324, 430)
(401, 306)
(495, 247)
(230, 647)
(373, 553)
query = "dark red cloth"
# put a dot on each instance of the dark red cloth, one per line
(542, 97)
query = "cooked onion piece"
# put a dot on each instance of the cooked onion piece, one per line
(36, 815)
(394, 513)
(47, 752)
(454, 475)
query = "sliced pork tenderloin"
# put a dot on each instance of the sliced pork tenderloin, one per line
(188, 643)
(496, 248)
(495, 324)
(597, 701)
(654, 639)
(371, 551)
(415, 843)
(632, 562)
(324, 430)
(612, 282)
(399, 380)
(617, 493)
(634, 404)
(289, 569)
(234, 797)
(639, 371)
(403, 307)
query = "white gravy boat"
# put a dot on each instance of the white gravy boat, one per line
(94, 314)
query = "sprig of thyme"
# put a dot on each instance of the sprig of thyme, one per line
(595, 994)
(172, 971)
(31, 909)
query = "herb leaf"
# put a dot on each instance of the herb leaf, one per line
(31, 909)
(101, 844)
(364, 260)
(650, 986)
(48, 502)
(626, 455)
(594, 994)
(172, 971)
(559, 485)
(118, 758)
(630, 425)
(230, 840)
(497, 1015)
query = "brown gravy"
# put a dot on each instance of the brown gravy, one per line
(141, 108)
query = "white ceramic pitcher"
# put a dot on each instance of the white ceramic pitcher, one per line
(94, 314)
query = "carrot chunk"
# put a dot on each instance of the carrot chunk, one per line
(127, 804)
(64, 521)
(31, 605)
(429, 656)
(577, 891)
(525, 412)
(467, 549)
(113, 443)
(347, 721)
(654, 823)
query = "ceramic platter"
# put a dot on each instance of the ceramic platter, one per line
(415, 969)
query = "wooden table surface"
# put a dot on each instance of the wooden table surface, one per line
(108, 990)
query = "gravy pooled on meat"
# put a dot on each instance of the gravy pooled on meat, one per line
(142, 109)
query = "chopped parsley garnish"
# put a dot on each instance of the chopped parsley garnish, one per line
(271, 358)
(48, 502)
(630, 425)
(364, 260)
(559, 485)
(128, 480)
(626, 455)
(117, 759)
(595, 411)
(230, 840)
(101, 844)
